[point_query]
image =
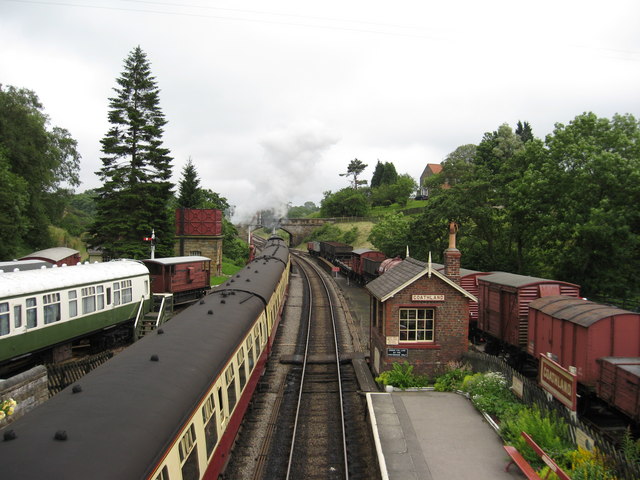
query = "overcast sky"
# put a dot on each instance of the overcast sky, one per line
(272, 100)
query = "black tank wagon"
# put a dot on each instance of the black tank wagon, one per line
(170, 405)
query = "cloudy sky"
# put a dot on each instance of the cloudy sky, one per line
(271, 100)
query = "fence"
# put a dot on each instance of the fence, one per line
(61, 376)
(534, 395)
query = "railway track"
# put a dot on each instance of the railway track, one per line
(309, 421)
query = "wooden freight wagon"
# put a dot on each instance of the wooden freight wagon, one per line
(619, 384)
(578, 332)
(358, 258)
(187, 278)
(469, 281)
(504, 303)
(335, 251)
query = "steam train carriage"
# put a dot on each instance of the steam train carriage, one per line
(170, 405)
(45, 307)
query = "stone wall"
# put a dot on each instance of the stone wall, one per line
(28, 389)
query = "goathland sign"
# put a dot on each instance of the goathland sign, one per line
(559, 382)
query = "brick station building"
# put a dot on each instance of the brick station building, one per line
(419, 314)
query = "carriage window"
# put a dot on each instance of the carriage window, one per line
(126, 291)
(73, 303)
(241, 371)
(32, 312)
(17, 316)
(51, 307)
(189, 455)
(100, 297)
(250, 352)
(221, 405)
(116, 294)
(4, 318)
(210, 428)
(163, 475)
(229, 376)
(88, 299)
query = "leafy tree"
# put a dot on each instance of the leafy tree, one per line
(355, 168)
(391, 235)
(37, 161)
(14, 198)
(136, 168)
(397, 192)
(344, 203)
(302, 210)
(189, 191)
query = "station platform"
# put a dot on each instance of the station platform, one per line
(435, 436)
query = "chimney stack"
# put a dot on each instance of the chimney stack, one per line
(452, 255)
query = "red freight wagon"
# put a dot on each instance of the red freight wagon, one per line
(505, 298)
(358, 256)
(619, 384)
(579, 332)
(198, 222)
(187, 278)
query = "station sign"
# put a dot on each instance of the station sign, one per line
(397, 352)
(427, 298)
(559, 382)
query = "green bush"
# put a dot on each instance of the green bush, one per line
(401, 376)
(549, 431)
(490, 393)
(452, 379)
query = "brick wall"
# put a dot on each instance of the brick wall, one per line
(210, 247)
(451, 327)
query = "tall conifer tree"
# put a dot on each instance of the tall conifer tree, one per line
(189, 191)
(136, 168)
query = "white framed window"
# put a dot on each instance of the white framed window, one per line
(116, 294)
(73, 303)
(242, 374)
(88, 299)
(417, 324)
(32, 312)
(51, 307)
(4, 318)
(126, 291)
(100, 297)
(17, 316)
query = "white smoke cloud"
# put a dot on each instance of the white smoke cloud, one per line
(287, 169)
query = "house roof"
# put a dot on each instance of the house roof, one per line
(431, 169)
(398, 278)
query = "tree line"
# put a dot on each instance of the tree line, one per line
(386, 188)
(563, 207)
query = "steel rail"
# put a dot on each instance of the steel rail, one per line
(304, 366)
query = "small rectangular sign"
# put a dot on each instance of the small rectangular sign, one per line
(393, 340)
(427, 298)
(335, 269)
(559, 382)
(397, 352)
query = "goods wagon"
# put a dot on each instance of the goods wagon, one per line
(578, 332)
(335, 251)
(187, 278)
(504, 303)
(358, 258)
(619, 384)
